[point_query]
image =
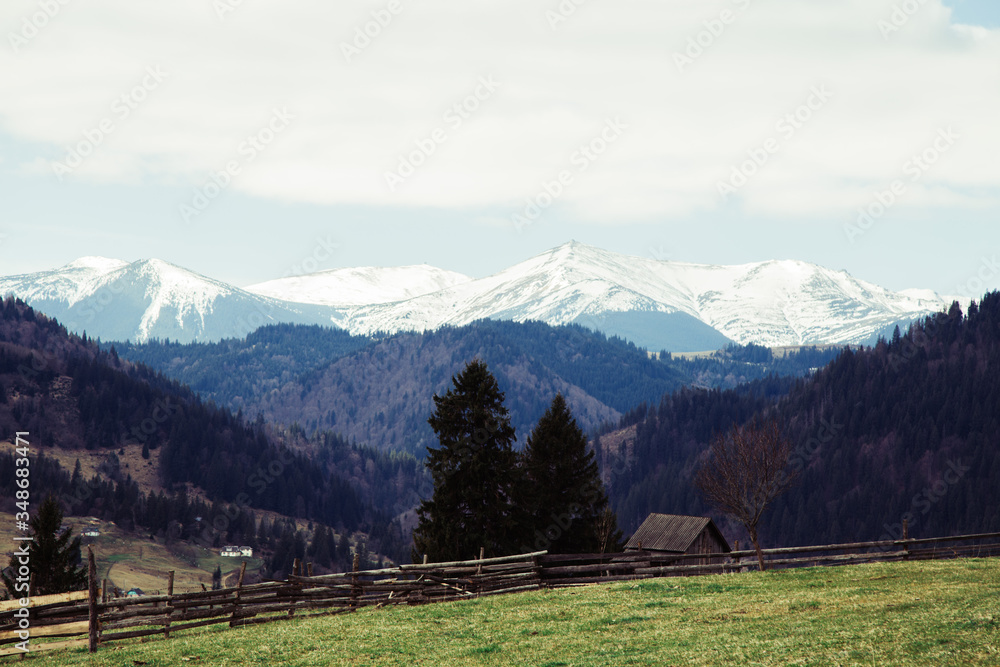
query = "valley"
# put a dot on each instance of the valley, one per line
(305, 441)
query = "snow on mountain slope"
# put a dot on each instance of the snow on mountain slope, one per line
(68, 283)
(769, 303)
(360, 286)
(557, 287)
(657, 304)
(944, 299)
(151, 298)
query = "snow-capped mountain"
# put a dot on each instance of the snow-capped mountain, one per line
(360, 286)
(115, 300)
(770, 303)
(656, 304)
(69, 284)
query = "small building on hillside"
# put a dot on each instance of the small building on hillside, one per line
(236, 552)
(91, 532)
(673, 534)
(134, 593)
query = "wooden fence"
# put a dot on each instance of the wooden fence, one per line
(92, 618)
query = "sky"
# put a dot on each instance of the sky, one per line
(253, 139)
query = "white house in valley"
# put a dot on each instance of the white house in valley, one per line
(236, 552)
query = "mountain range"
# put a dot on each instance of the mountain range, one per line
(659, 305)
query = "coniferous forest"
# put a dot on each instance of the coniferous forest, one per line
(379, 391)
(908, 429)
(71, 395)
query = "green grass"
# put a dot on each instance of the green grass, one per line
(937, 613)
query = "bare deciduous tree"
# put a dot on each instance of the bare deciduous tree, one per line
(745, 471)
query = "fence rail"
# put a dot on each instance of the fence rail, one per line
(92, 619)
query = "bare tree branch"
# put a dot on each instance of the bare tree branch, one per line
(745, 471)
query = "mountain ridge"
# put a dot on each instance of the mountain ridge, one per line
(677, 306)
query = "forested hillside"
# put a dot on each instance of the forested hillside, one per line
(235, 371)
(907, 429)
(379, 391)
(71, 396)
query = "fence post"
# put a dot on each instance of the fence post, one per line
(236, 602)
(906, 536)
(296, 571)
(354, 581)
(170, 603)
(479, 570)
(92, 600)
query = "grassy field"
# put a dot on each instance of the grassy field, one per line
(938, 613)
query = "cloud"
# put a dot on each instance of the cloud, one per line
(363, 111)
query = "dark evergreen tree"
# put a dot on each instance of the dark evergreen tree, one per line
(343, 555)
(322, 547)
(217, 578)
(53, 556)
(563, 494)
(475, 473)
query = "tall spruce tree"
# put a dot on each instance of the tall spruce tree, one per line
(53, 555)
(475, 474)
(564, 494)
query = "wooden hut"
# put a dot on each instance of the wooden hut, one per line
(673, 534)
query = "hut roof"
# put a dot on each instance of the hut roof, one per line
(670, 532)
